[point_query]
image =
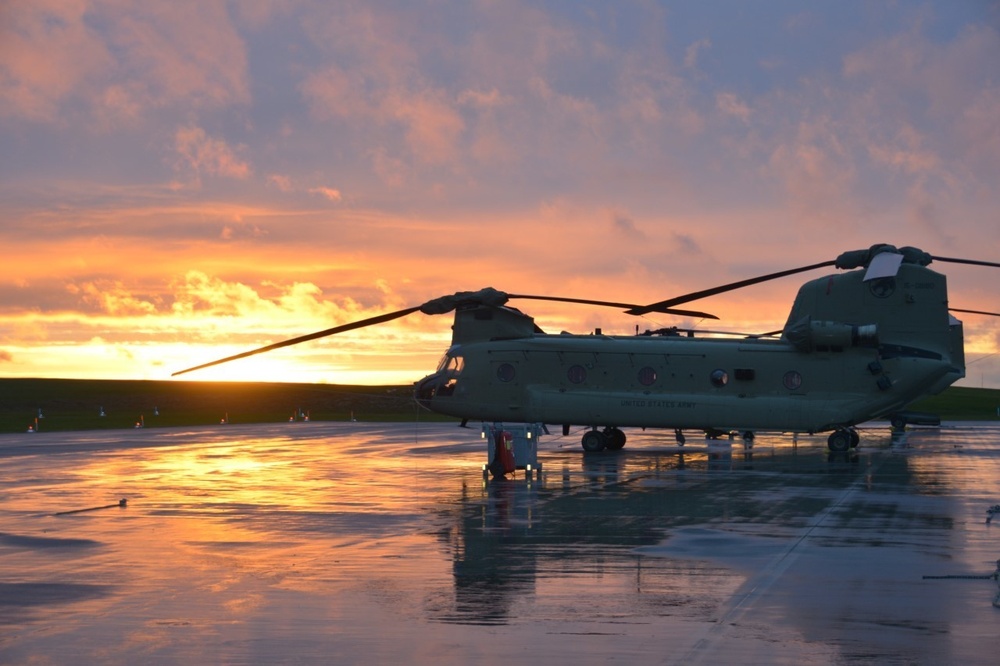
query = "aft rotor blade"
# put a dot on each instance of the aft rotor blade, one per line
(971, 262)
(979, 312)
(371, 321)
(687, 298)
(628, 307)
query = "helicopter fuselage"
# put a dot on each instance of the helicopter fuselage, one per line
(674, 382)
(853, 350)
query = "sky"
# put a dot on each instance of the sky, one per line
(182, 181)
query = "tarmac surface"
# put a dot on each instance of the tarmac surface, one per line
(357, 543)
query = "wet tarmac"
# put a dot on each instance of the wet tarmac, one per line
(367, 543)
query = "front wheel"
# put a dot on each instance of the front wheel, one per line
(593, 441)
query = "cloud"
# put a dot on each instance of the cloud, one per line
(179, 53)
(47, 55)
(433, 127)
(693, 52)
(686, 244)
(731, 105)
(113, 298)
(483, 99)
(816, 169)
(624, 225)
(430, 123)
(328, 192)
(201, 293)
(332, 92)
(207, 155)
(283, 183)
(979, 131)
(905, 152)
(114, 60)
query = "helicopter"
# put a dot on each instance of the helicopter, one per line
(859, 345)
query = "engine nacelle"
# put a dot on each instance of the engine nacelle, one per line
(808, 335)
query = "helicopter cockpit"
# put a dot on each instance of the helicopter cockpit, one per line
(444, 380)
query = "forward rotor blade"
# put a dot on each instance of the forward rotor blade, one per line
(371, 321)
(687, 298)
(625, 306)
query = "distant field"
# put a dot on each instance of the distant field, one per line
(70, 404)
(959, 403)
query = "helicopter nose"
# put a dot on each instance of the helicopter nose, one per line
(425, 389)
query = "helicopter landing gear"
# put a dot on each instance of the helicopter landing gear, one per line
(593, 441)
(614, 438)
(597, 440)
(843, 440)
(679, 436)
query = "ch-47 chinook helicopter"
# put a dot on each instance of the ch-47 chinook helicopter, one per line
(857, 346)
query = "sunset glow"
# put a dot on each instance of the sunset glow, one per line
(182, 182)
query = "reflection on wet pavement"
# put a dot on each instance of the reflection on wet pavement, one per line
(376, 543)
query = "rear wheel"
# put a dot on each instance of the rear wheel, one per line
(615, 438)
(839, 441)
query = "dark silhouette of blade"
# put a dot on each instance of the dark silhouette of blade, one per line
(611, 304)
(971, 262)
(705, 293)
(371, 321)
(979, 312)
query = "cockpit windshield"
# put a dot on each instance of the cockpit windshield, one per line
(453, 364)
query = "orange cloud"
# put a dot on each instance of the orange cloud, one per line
(433, 127)
(47, 53)
(817, 172)
(283, 183)
(178, 54)
(332, 92)
(113, 298)
(145, 56)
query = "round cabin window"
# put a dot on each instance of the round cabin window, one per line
(647, 376)
(719, 378)
(792, 380)
(577, 374)
(505, 372)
